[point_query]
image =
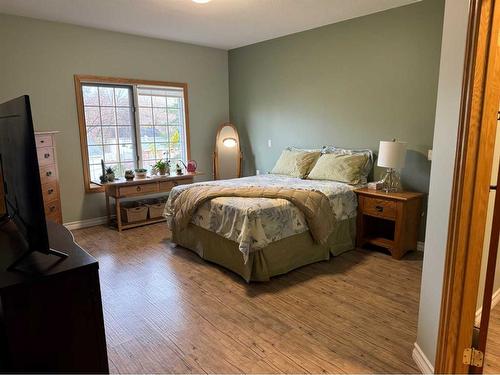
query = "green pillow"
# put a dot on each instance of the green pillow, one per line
(337, 167)
(295, 163)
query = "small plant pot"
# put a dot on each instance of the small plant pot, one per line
(129, 175)
(111, 177)
(163, 171)
(141, 175)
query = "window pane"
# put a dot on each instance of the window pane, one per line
(108, 116)
(173, 102)
(147, 134)
(145, 116)
(162, 107)
(161, 151)
(122, 97)
(109, 135)
(125, 134)
(92, 116)
(148, 151)
(174, 134)
(107, 141)
(95, 154)
(95, 172)
(90, 95)
(160, 116)
(124, 116)
(144, 100)
(94, 136)
(175, 151)
(159, 101)
(111, 154)
(173, 116)
(161, 134)
(127, 152)
(106, 96)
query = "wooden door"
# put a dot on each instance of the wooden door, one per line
(490, 277)
(474, 160)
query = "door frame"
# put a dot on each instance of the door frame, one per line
(473, 164)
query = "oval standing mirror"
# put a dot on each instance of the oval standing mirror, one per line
(227, 154)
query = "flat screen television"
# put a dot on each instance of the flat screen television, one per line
(21, 177)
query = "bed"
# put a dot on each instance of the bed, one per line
(259, 238)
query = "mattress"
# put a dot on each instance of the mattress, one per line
(254, 223)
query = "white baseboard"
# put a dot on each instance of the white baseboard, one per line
(420, 246)
(423, 363)
(72, 225)
(495, 299)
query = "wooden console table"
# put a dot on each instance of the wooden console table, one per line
(122, 188)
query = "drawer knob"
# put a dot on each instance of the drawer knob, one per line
(50, 191)
(48, 174)
(46, 156)
(379, 208)
(52, 208)
(138, 188)
(175, 183)
(42, 141)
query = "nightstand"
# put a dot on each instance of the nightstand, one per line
(388, 220)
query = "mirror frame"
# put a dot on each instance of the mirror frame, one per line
(215, 155)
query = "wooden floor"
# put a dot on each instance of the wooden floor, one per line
(492, 358)
(168, 311)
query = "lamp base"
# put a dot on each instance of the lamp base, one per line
(391, 183)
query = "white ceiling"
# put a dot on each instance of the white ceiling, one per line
(220, 23)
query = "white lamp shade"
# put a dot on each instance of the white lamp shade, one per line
(391, 154)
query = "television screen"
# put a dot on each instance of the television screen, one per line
(20, 173)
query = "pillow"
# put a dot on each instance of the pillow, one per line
(295, 163)
(337, 167)
(293, 148)
(367, 168)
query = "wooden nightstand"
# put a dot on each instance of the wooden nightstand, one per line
(388, 220)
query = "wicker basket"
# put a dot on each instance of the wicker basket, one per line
(155, 209)
(134, 213)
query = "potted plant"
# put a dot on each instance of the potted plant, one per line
(110, 174)
(129, 174)
(163, 167)
(141, 173)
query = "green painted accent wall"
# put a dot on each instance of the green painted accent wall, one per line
(39, 58)
(348, 84)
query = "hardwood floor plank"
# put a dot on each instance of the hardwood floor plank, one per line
(167, 310)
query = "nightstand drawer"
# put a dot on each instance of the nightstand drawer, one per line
(379, 207)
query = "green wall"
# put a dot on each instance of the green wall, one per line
(349, 84)
(39, 58)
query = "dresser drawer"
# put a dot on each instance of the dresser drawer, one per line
(126, 191)
(50, 192)
(52, 208)
(48, 173)
(45, 156)
(379, 207)
(43, 140)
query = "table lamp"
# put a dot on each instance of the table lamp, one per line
(392, 155)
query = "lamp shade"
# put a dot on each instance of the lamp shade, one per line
(392, 154)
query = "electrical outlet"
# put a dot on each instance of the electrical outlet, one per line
(269, 143)
(429, 155)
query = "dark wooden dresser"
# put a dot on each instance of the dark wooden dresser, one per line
(51, 316)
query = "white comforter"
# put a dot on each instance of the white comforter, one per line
(256, 222)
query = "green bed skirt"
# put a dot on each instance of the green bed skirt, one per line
(275, 259)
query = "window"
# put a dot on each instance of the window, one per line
(130, 124)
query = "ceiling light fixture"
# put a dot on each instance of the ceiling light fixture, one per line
(201, 1)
